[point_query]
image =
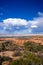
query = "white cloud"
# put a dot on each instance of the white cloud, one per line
(22, 26)
(25, 31)
(40, 13)
(15, 21)
(4, 28)
(33, 26)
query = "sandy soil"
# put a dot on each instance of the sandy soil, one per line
(9, 54)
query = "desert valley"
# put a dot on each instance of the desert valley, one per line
(13, 49)
(20, 40)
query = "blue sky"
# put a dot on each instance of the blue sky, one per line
(21, 16)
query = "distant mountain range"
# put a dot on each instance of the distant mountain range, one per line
(19, 35)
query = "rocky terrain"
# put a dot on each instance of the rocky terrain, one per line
(21, 41)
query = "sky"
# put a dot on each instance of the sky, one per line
(21, 16)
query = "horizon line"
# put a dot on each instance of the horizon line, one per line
(12, 35)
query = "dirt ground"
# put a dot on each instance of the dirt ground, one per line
(9, 54)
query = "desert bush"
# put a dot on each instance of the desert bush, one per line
(6, 58)
(17, 53)
(0, 60)
(8, 45)
(33, 47)
(40, 48)
(31, 59)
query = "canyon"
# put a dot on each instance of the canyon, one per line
(21, 41)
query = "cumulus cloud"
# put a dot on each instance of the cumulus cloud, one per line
(15, 21)
(22, 26)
